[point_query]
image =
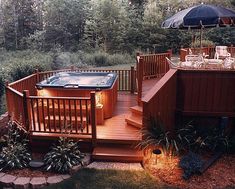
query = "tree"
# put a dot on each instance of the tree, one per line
(64, 22)
(106, 25)
(19, 21)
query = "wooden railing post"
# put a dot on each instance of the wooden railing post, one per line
(140, 79)
(26, 109)
(37, 75)
(170, 53)
(7, 98)
(132, 79)
(93, 118)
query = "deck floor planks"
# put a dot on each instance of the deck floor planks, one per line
(116, 128)
(148, 84)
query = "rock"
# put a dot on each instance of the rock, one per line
(87, 159)
(7, 180)
(2, 174)
(38, 182)
(65, 176)
(35, 164)
(22, 183)
(75, 169)
(54, 179)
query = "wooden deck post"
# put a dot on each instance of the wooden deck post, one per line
(170, 53)
(93, 118)
(26, 109)
(7, 99)
(37, 75)
(140, 79)
(132, 79)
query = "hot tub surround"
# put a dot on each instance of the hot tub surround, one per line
(80, 84)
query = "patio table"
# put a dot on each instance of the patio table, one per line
(208, 64)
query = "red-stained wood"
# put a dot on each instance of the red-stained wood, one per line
(160, 102)
(27, 83)
(150, 66)
(115, 129)
(209, 92)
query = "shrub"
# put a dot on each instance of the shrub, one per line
(66, 59)
(156, 137)
(205, 43)
(63, 156)
(25, 62)
(15, 154)
(191, 164)
(100, 58)
(1, 85)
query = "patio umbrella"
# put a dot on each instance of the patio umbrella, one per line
(201, 16)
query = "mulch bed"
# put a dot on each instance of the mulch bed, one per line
(220, 175)
(28, 172)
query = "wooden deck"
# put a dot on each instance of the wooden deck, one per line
(115, 128)
(148, 84)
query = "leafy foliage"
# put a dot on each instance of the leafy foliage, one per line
(209, 139)
(110, 26)
(155, 137)
(15, 154)
(191, 164)
(63, 156)
(1, 85)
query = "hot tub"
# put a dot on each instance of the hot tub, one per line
(80, 84)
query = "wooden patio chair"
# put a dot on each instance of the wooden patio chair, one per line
(221, 52)
(171, 64)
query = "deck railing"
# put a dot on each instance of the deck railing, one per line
(15, 104)
(26, 83)
(159, 103)
(60, 115)
(210, 50)
(151, 66)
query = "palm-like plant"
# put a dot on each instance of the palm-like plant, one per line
(155, 137)
(63, 156)
(15, 154)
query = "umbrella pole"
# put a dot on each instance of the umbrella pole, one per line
(201, 40)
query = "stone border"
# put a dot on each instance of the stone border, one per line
(10, 181)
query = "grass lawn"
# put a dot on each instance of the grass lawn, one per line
(108, 179)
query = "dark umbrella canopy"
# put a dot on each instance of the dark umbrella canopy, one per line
(201, 16)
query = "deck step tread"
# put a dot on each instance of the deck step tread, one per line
(137, 110)
(134, 120)
(121, 153)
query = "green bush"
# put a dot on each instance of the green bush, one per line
(205, 43)
(104, 59)
(15, 154)
(24, 63)
(66, 59)
(1, 85)
(63, 156)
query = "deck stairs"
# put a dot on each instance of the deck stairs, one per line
(136, 116)
(117, 153)
(121, 151)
